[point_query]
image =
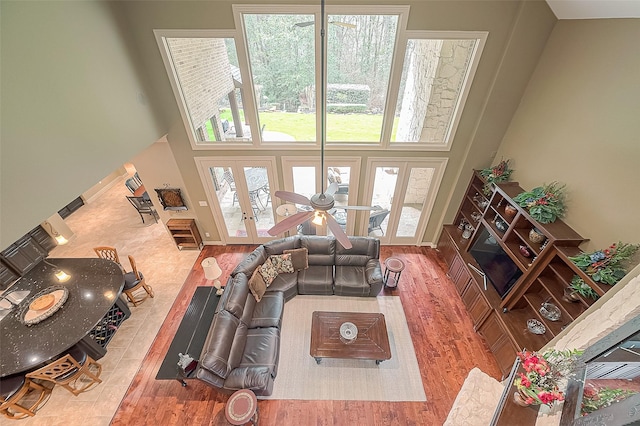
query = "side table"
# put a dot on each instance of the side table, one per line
(242, 407)
(393, 270)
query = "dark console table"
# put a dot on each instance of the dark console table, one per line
(89, 317)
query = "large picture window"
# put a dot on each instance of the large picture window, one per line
(386, 87)
(434, 82)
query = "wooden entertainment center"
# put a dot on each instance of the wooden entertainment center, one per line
(502, 321)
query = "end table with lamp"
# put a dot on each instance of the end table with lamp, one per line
(212, 271)
(284, 211)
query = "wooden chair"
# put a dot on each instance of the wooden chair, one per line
(72, 372)
(134, 281)
(109, 253)
(21, 397)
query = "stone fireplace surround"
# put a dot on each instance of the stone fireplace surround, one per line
(480, 393)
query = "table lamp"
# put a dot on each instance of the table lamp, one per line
(286, 210)
(212, 271)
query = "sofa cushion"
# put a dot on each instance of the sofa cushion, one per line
(285, 283)
(268, 313)
(299, 258)
(258, 379)
(251, 262)
(257, 286)
(235, 295)
(217, 346)
(351, 281)
(262, 349)
(316, 280)
(363, 249)
(279, 246)
(282, 263)
(321, 250)
(268, 272)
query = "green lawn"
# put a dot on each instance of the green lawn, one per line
(340, 127)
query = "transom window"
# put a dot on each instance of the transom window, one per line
(386, 87)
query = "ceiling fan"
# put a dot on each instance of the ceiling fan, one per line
(323, 202)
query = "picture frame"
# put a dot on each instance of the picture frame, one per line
(171, 199)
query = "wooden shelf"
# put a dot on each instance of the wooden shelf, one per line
(185, 233)
(546, 272)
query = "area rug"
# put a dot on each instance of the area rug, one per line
(299, 377)
(192, 331)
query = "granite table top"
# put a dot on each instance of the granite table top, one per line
(93, 288)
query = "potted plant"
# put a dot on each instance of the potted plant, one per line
(545, 203)
(594, 398)
(578, 286)
(495, 174)
(539, 384)
(606, 266)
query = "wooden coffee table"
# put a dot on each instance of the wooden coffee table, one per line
(372, 341)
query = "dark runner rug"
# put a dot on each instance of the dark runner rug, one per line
(192, 331)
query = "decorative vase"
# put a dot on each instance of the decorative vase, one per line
(570, 295)
(510, 211)
(520, 399)
(524, 250)
(536, 236)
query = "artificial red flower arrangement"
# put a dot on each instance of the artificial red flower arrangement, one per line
(539, 384)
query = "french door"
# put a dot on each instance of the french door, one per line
(403, 192)
(239, 192)
(302, 175)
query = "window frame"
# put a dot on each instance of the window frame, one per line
(250, 110)
(394, 89)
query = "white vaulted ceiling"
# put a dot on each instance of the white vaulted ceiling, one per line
(595, 9)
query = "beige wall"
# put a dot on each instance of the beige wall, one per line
(578, 123)
(517, 34)
(91, 106)
(74, 107)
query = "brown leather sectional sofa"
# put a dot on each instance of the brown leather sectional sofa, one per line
(243, 345)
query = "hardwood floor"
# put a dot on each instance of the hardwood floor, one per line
(446, 346)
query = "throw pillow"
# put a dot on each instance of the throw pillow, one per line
(282, 263)
(257, 285)
(268, 272)
(299, 258)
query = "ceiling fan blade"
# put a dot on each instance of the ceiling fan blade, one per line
(292, 197)
(359, 208)
(332, 189)
(343, 24)
(337, 231)
(303, 24)
(290, 222)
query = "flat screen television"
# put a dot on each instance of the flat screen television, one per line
(501, 271)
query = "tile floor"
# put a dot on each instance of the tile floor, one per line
(112, 221)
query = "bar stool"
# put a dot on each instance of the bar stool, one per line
(134, 281)
(14, 391)
(242, 407)
(394, 266)
(72, 371)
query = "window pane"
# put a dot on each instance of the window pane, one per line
(340, 176)
(359, 54)
(224, 183)
(384, 189)
(281, 55)
(209, 79)
(304, 180)
(257, 180)
(414, 198)
(433, 77)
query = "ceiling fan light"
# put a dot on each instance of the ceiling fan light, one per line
(317, 219)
